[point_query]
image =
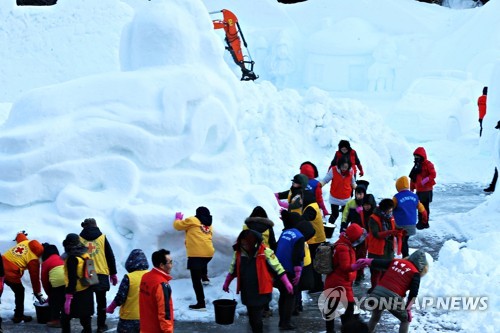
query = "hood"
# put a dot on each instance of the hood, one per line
(308, 198)
(203, 214)
(258, 211)
(258, 220)
(136, 261)
(355, 233)
(290, 219)
(420, 151)
(309, 169)
(91, 233)
(419, 260)
(403, 183)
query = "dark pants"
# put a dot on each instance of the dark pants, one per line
(286, 303)
(335, 213)
(480, 127)
(18, 290)
(494, 180)
(56, 302)
(100, 297)
(255, 318)
(405, 248)
(317, 278)
(86, 323)
(196, 274)
(425, 198)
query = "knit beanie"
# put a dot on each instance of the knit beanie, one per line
(258, 212)
(90, 222)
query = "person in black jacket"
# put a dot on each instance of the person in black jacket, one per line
(101, 252)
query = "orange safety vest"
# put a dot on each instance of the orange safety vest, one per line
(264, 277)
(376, 245)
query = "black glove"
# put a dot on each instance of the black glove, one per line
(39, 297)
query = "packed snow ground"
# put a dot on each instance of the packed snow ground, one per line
(131, 111)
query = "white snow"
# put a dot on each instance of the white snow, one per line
(128, 111)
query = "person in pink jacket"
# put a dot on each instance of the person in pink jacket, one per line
(423, 179)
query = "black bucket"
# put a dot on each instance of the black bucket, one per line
(42, 312)
(329, 230)
(224, 311)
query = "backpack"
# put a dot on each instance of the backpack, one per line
(323, 260)
(90, 277)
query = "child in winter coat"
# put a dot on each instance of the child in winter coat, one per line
(343, 182)
(344, 271)
(127, 297)
(254, 265)
(382, 232)
(402, 275)
(422, 176)
(406, 205)
(53, 282)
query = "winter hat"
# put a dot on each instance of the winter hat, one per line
(355, 233)
(202, 211)
(363, 182)
(71, 240)
(258, 212)
(344, 144)
(386, 204)
(301, 179)
(309, 169)
(90, 222)
(485, 91)
(403, 183)
(36, 247)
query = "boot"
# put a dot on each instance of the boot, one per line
(24, 318)
(489, 189)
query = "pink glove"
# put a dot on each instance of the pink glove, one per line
(113, 279)
(356, 266)
(277, 196)
(298, 272)
(359, 209)
(179, 216)
(410, 316)
(425, 180)
(226, 284)
(283, 204)
(111, 308)
(67, 304)
(1, 285)
(286, 282)
(365, 261)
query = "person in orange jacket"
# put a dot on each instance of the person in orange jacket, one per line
(481, 105)
(23, 256)
(155, 296)
(423, 178)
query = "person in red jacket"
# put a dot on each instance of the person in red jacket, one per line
(481, 105)
(345, 269)
(155, 296)
(24, 255)
(53, 282)
(402, 275)
(422, 179)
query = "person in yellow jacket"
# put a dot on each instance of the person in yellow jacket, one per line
(79, 301)
(101, 252)
(23, 256)
(199, 248)
(127, 297)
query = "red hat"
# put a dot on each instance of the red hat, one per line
(354, 232)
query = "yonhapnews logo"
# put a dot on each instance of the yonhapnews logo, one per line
(331, 302)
